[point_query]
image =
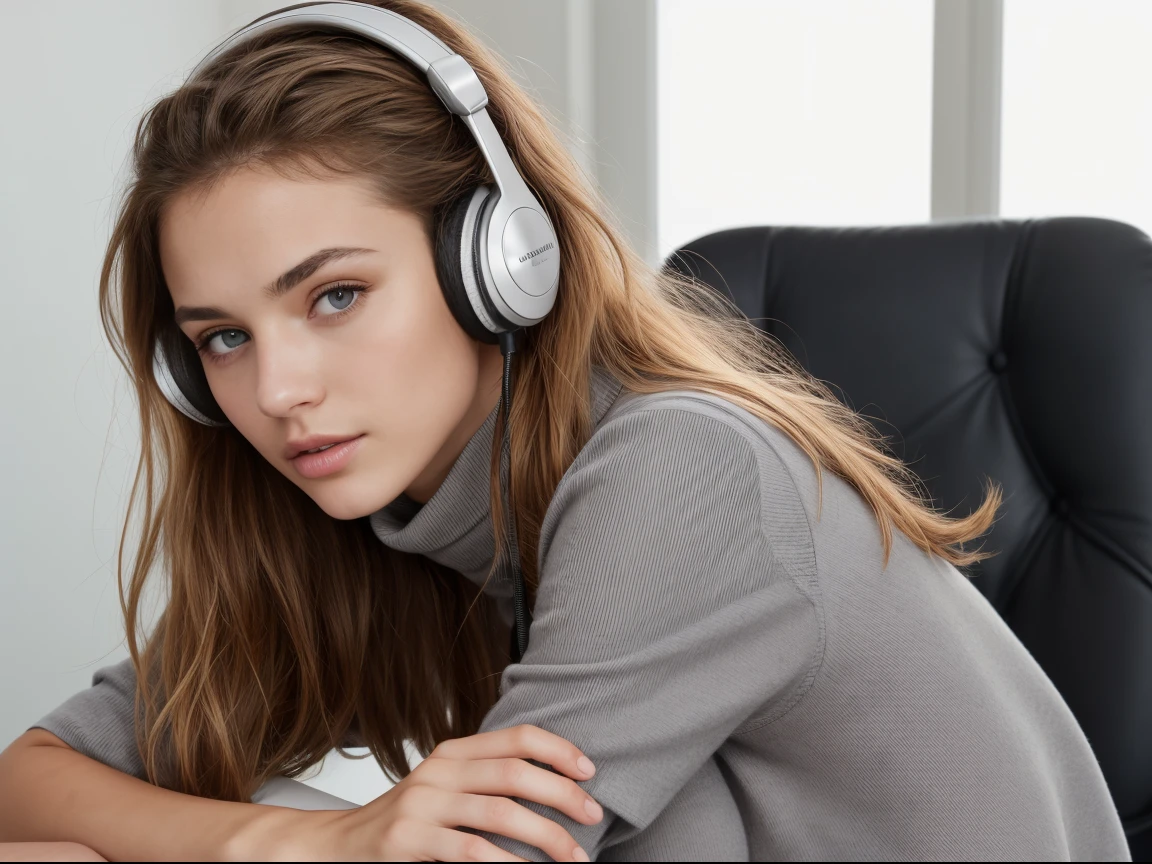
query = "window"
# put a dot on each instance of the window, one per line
(791, 113)
(1077, 110)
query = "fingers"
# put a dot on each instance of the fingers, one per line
(448, 845)
(521, 742)
(512, 778)
(482, 772)
(509, 819)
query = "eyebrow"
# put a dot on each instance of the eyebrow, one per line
(285, 283)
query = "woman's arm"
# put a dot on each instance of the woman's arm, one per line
(79, 777)
(665, 619)
(48, 791)
(47, 852)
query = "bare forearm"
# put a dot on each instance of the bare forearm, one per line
(50, 792)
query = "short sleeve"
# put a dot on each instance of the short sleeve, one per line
(663, 619)
(98, 722)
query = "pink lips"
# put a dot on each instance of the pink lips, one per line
(314, 465)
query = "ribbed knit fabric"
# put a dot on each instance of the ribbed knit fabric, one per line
(750, 680)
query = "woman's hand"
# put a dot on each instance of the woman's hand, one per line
(466, 782)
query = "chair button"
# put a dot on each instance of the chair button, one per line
(1060, 507)
(998, 362)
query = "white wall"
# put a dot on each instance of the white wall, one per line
(76, 76)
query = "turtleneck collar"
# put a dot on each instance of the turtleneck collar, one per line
(454, 528)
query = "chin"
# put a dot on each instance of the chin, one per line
(345, 499)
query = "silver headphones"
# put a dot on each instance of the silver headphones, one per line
(497, 254)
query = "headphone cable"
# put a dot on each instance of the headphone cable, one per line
(519, 595)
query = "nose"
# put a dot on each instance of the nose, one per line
(288, 373)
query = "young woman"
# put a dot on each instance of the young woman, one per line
(743, 612)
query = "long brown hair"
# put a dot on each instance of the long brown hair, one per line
(287, 632)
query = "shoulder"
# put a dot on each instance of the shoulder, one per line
(677, 520)
(704, 425)
(687, 471)
(689, 443)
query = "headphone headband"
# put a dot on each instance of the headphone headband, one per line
(410, 40)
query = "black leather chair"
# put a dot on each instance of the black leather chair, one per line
(1016, 350)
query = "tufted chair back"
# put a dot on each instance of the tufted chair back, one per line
(1020, 351)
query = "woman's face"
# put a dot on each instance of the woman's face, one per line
(318, 313)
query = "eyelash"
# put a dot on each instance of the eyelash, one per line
(202, 345)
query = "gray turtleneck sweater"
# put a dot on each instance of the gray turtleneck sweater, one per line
(750, 680)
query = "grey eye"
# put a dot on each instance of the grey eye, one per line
(229, 339)
(339, 298)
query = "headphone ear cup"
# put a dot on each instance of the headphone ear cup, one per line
(180, 377)
(458, 267)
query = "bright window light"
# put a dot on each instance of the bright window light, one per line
(1077, 114)
(785, 113)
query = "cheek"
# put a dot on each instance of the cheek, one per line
(234, 389)
(422, 368)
